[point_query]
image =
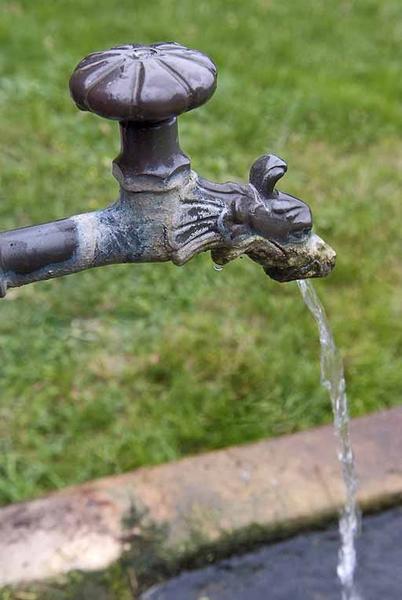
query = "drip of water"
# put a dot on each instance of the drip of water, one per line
(333, 380)
(218, 267)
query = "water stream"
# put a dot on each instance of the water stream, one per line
(333, 380)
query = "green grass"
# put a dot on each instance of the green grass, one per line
(107, 370)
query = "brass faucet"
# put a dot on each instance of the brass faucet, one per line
(165, 211)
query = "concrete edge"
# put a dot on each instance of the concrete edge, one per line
(166, 513)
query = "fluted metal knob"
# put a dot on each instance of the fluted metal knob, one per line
(143, 83)
(145, 88)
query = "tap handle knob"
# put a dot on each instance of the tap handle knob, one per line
(145, 88)
(143, 83)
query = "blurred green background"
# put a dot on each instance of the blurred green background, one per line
(107, 370)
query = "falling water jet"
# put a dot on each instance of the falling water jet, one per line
(333, 380)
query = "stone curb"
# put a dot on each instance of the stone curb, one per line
(175, 510)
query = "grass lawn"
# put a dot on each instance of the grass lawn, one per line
(114, 368)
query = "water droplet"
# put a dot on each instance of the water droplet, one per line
(218, 267)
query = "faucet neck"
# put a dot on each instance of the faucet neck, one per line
(150, 158)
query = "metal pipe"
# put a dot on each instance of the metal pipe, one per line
(165, 210)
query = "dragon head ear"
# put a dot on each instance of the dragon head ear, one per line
(265, 172)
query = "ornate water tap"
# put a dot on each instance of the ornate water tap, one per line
(165, 211)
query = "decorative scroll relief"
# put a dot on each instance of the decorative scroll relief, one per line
(233, 219)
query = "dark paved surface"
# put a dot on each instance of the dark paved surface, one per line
(301, 568)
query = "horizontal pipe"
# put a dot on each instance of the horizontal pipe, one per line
(126, 231)
(31, 248)
(46, 251)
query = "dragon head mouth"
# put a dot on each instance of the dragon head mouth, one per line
(314, 258)
(283, 262)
